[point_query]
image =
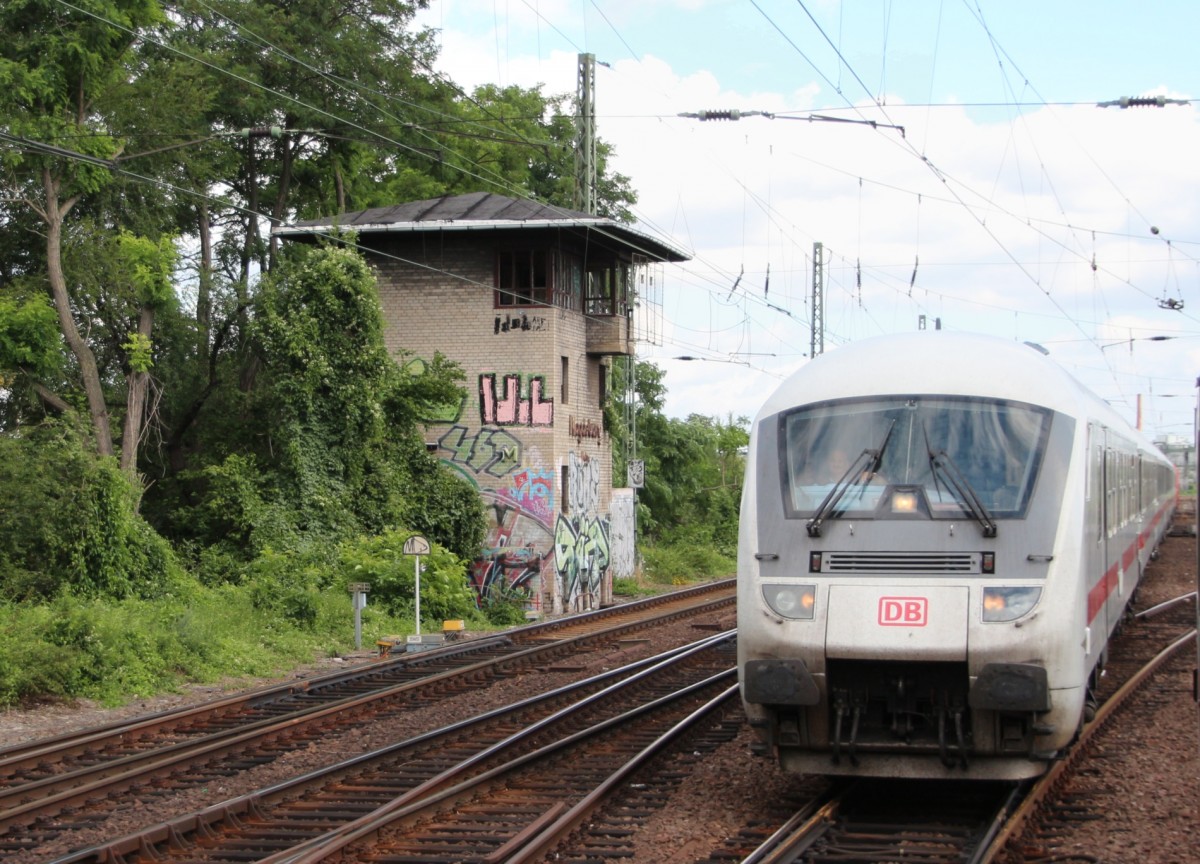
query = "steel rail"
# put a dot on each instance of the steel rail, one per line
(868, 820)
(1166, 605)
(1048, 782)
(473, 787)
(211, 820)
(53, 748)
(796, 835)
(20, 804)
(449, 786)
(545, 838)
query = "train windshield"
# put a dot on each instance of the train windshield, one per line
(913, 457)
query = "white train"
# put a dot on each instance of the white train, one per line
(939, 534)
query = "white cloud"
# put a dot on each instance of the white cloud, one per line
(999, 211)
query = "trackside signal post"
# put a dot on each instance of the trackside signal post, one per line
(358, 598)
(417, 546)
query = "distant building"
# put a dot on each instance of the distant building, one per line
(1181, 452)
(533, 301)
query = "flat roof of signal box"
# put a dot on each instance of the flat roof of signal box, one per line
(484, 211)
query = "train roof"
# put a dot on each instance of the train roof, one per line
(943, 363)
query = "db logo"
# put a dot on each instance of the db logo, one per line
(903, 611)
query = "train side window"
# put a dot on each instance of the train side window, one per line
(1109, 492)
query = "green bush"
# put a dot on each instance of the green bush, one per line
(629, 586)
(391, 576)
(30, 667)
(289, 584)
(684, 562)
(503, 606)
(69, 523)
(86, 647)
(114, 650)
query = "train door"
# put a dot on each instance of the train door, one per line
(1145, 513)
(1100, 507)
(1122, 564)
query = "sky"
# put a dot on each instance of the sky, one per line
(951, 157)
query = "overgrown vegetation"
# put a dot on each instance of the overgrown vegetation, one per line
(203, 439)
(111, 650)
(688, 511)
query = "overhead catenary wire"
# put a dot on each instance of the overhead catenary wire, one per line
(867, 267)
(924, 158)
(1062, 313)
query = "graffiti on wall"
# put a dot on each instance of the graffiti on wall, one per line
(533, 491)
(518, 549)
(581, 549)
(523, 323)
(528, 540)
(580, 558)
(513, 408)
(583, 483)
(493, 452)
(515, 555)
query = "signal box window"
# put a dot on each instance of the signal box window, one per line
(522, 278)
(541, 277)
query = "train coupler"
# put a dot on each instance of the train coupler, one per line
(951, 712)
(841, 708)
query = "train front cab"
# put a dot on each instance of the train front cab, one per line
(930, 624)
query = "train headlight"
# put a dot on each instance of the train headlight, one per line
(1009, 604)
(791, 601)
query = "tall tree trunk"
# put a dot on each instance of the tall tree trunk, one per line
(135, 403)
(176, 456)
(285, 184)
(339, 183)
(251, 244)
(54, 214)
(204, 291)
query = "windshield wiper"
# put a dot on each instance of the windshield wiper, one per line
(958, 483)
(863, 468)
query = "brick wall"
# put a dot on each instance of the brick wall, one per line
(527, 436)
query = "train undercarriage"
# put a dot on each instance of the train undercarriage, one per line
(860, 710)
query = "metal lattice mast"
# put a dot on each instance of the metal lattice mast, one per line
(816, 344)
(585, 127)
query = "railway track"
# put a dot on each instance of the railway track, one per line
(1039, 822)
(504, 786)
(60, 785)
(864, 823)
(867, 821)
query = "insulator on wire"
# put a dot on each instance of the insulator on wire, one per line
(1141, 102)
(262, 132)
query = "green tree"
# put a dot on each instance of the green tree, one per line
(694, 466)
(515, 141)
(338, 93)
(68, 524)
(30, 355)
(326, 444)
(54, 62)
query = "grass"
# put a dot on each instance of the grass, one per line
(113, 651)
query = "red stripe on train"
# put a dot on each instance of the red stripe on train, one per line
(1104, 588)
